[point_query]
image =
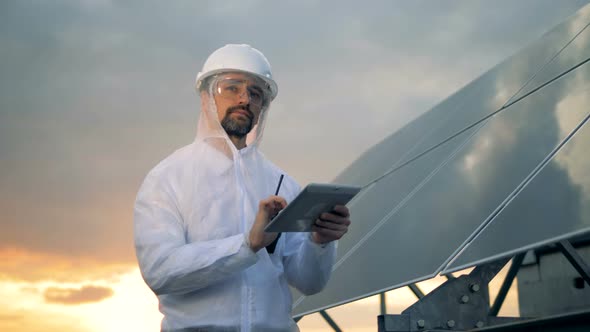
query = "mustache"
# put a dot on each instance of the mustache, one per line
(240, 107)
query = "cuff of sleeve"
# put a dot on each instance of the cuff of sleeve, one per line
(246, 250)
(321, 247)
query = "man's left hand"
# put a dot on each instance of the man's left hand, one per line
(331, 226)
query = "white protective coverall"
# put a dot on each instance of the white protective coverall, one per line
(192, 219)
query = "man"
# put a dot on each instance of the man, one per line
(200, 214)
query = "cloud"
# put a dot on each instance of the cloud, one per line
(72, 296)
(131, 306)
(13, 321)
(21, 265)
(94, 94)
(11, 317)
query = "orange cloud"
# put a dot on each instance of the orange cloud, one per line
(40, 321)
(19, 264)
(11, 318)
(11, 322)
(84, 294)
(96, 225)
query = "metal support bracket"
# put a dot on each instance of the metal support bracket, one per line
(512, 272)
(382, 304)
(575, 259)
(330, 321)
(459, 304)
(416, 290)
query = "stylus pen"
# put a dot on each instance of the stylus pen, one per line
(279, 186)
(271, 247)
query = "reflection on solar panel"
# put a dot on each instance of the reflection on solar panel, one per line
(411, 223)
(554, 205)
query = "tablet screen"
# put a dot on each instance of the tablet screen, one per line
(313, 200)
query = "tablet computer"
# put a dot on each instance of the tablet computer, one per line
(313, 200)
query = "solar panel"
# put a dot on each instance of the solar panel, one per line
(574, 52)
(554, 205)
(473, 102)
(428, 226)
(408, 225)
(574, 89)
(365, 268)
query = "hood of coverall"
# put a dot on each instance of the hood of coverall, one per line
(209, 128)
(240, 58)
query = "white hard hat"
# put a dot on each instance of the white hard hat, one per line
(241, 58)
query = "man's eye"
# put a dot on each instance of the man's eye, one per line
(231, 88)
(255, 95)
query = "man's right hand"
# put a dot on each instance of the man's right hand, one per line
(267, 208)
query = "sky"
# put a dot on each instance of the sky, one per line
(93, 93)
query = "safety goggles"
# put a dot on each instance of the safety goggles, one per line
(236, 89)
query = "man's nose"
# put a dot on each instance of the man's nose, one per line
(244, 97)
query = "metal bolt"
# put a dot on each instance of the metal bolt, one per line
(474, 287)
(421, 323)
(479, 324)
(451, 323)
(464, 299)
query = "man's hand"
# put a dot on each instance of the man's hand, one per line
(331, 226)
(267, 208)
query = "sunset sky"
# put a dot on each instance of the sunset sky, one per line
(93, 93)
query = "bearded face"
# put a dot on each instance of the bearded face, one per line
(238, 121)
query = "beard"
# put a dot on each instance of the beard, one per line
(237, 128)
